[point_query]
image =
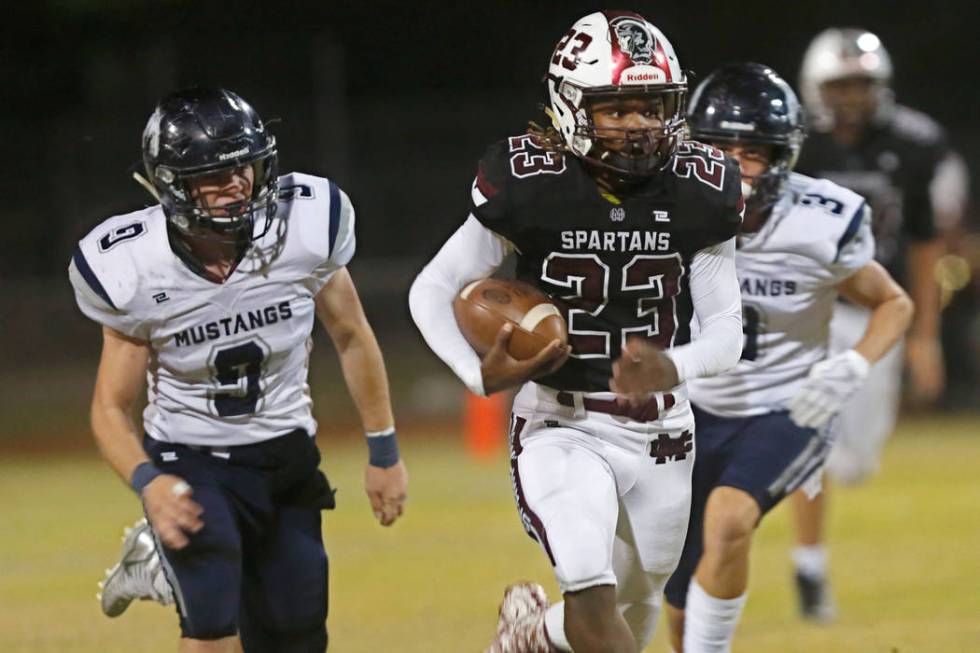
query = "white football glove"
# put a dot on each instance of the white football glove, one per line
(830, 383)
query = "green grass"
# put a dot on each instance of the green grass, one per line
(905, 556)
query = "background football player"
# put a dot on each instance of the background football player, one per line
(803, 242)
(899, 161)
(632, 231)
(210, 297)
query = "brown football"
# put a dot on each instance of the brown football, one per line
(484, 306)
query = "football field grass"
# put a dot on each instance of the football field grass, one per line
(905, 556)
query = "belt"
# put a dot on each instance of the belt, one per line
(648, 411)
(218, 452)
(248, 449)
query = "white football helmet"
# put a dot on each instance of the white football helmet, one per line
(837, 53)
(616, 53)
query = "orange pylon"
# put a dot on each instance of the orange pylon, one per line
(485, 424)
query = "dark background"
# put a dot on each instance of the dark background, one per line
(395, 101)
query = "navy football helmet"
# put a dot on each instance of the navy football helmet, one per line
(202, 131)
(749, 103)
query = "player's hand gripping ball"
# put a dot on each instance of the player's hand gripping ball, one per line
(484, 306)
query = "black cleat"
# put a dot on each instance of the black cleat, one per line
(816, 603)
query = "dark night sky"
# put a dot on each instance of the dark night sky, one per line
(422, 88)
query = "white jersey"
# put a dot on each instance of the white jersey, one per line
(818, 234)
(229, 360)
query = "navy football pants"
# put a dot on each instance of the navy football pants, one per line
(767, 456)
(258, 567)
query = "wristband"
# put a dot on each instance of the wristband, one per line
(144, 473)
(382, 448)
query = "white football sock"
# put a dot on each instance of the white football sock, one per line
(641, 617)
(709, 623)
(554, 625)
(811, 560)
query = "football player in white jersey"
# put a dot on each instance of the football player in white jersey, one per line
(631, 230)
(762, 426)
(210, 297)
(900, 161)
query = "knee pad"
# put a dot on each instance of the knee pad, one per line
(207, 586)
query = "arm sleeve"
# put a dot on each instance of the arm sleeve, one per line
(718, 307)
(341, 242)
(472, 253)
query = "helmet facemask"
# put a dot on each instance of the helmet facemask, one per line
(854, 100)
(838, 54)
(630, 153)
(633, 152)
(234, 223)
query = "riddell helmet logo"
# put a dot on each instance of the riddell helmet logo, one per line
(232, 155)
(634, 39)
(645, 76)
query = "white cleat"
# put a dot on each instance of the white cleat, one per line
(520, 625)
(137, 575)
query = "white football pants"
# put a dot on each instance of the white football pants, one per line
(591, 491)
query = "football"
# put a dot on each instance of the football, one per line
(484, 306)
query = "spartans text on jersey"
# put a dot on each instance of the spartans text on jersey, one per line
(616, 241)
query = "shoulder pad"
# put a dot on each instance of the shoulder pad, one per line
(515, 159)
(716, 179)
(824, 197)
(322, 218)
(916, 126)
(821, 219)
(708, 168)
(506, 168)
(111, 259)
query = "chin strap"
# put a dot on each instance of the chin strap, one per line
(145, 183)
(554, 118)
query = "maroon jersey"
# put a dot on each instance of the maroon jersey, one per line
(617, 266)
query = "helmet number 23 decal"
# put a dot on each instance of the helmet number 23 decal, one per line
(570, 60)
(649, 282)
